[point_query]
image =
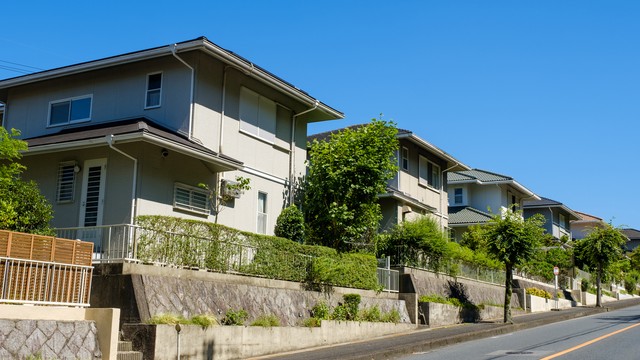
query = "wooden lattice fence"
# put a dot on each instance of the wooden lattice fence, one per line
(44, 269)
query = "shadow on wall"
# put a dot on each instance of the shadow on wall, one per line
(469, 312)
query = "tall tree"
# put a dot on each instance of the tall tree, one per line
(22, 207)
(600, 249)
(346, 173)
(513, 241)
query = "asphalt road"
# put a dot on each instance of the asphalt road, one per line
(607, 335)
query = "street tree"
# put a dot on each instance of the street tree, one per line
(22, 206)
(346, 174)
(600, 249)
(513, 240)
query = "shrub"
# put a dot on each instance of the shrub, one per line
(234, 317)
(311, 322)
(266, 321)
(347, 270)
(290, 224)
(392, 316)
(631, 281)
(584, 285)
(167, 319)
(204, 320)
(351, 303)
(539, 292)
(371, 314)
(321, 311)
(433, 298)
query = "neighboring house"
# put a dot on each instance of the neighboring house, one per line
(475, 196)
(634, 238)
(558, 216)
(581, 227)
(135, 134)
(419, 186)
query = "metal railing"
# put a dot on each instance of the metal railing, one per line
(389, 279)
(44, 283)
(111, 242)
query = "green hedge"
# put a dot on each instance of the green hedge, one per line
(205, 245)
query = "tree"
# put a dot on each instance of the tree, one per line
(601, 249)
(227, 193)
(22, 207)
(513, 241)
(290, 224)
(346, 174)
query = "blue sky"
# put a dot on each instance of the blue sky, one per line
(547, 92)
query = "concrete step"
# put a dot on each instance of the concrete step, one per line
(129, 355)
(125, 346)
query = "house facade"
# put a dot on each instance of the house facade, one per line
(557, 215)
(475, 196)
(135, 134)
(582, 226)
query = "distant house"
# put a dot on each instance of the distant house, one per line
(581, 227)
(419, 188)
(475, 196)
(135, 134)
(558, 216)
(634, 238)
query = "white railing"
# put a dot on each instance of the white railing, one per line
(44, 283)
(111, 242)
(389, 279)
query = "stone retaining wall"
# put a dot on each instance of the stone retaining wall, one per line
(48, 339)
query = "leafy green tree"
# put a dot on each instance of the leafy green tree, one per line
(22, 207)
(513, 241)
(347, 172)
(601, 249)
(290, 224)
(420, 242)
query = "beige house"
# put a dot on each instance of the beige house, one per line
(135, 134)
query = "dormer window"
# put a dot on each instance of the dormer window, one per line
(68, 111)
(154, 91)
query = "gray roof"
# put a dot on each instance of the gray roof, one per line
(460, 215)
(137, 126)
(476, 175)
(632, 234)
(547, 203)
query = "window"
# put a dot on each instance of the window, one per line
(66, 181)
(262, 213)
(1, 115)
(429, 173)
(154, 91)
(67, 111)
(457, 196)
(257, 115)
(404, 161)
(191, 198)
(562, 221)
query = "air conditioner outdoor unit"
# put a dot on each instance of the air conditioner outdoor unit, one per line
(226, 191)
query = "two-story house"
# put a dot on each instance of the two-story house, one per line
(585, 223)
(419, 187)
(135, 134)
(475, 196)
(558, 216)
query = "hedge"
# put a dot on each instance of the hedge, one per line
(193, 243)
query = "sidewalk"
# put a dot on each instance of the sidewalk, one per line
(425, 339)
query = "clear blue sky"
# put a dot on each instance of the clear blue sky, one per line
(547, 92)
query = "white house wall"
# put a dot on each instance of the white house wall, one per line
(485, 197)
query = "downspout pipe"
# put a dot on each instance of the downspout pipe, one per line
(442, 190)
(134, 198)
(191, 91)
(292, 149)
(222, 106)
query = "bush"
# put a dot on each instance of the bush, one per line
(321, 311)
(539, 292)
(347, 270)
(371, 314)
(631, 281)
(234, 317)
(167, 319)
(311, 322)
(290, 224)
(266, 321)
(433, 298)
(204, 321)
(392, 316)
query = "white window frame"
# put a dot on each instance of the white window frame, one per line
(404, 158)
(562, 221)
(64, 169)
(70, 101)
(262, 213)
(191, 205)
(260, 123)
(435, 180)
(147, 91)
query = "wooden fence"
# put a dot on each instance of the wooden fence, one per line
(47, 270)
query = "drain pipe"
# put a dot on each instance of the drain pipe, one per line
(134, 198)
(292, 148)
(191, 91)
